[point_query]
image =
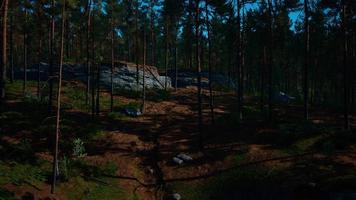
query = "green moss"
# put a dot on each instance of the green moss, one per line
(19, 174)
(78, 188)
(219, 187)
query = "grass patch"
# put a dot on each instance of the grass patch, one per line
(79, 188)
(20, 174)
(117, 116)
(226, 185)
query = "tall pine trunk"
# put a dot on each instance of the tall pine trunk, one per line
(51, 55)
(144, 70)
(306, 64)
(56, 149)
(345, 65)
(270, 60)
(88, 24)
(238, 62)
(12, 47)
(112, 60)
(25, 43)
(3, 49)
(199, 94)
(166, 59)
(211, 96)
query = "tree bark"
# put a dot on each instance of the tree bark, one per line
(51, 55)
(211, 96)
(238, 62)
(345, 65)
(199, 95)
(306, 64)
(112, 61)
(144, 71)
(25, 42)
(3, 50)
(12, 48)
(89, 2)
(166, 61)
(55, 157)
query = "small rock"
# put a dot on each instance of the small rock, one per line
(176, 196)
(184, 157)
(177, 161)
(132, 112)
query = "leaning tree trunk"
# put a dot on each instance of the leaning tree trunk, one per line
(55, 157)
(3, 49)
(197, 51)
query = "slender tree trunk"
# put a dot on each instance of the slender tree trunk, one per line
(153, 51)
(89, 3)
(264, 66)
(51, 55)
(24, 86)
(112, 61)
(137, 47)
(238, 62)
(39, 67)
(93, 66)
(345, 63)
(211, 96)
(306, 64)
(3, 49)
(197, 35)
(166, 61)
(12, 48)
(55, 157)
(144, 71)
(175, 60)
(270, 62)
(39, 51)
(98, 88)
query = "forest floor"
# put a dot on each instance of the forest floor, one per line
(132, 158)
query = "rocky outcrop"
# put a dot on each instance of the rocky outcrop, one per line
(125, 75)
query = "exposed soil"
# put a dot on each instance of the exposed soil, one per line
(143, 147)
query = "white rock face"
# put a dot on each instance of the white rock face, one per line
(178, 161)
(125, 77)
(185, 157)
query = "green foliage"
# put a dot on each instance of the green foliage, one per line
(78, 148)
(79, 167)
(158, 95)
(221, 186)
(79, 188)
(117, 116)
(33, 100)
(20, 174)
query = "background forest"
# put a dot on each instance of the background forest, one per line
(286, 107)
